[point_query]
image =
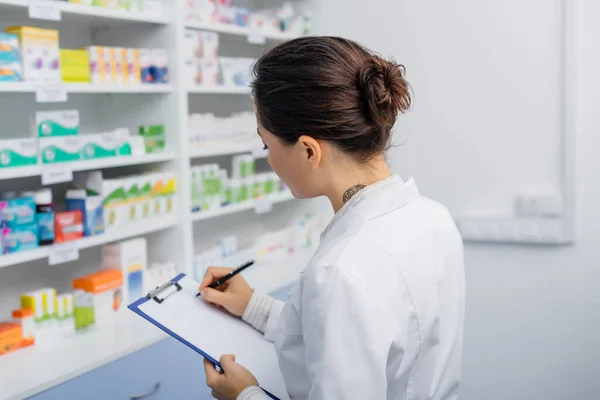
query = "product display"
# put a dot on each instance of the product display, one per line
(204, 67)
(132, 199)
(209, 130)
(267, 22)
(56, 123)
(303, 233)
(212, 188)
(154, 137)
(74, 65)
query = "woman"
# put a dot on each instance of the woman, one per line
(378, 313)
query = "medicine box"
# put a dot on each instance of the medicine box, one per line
(18, 152)
(40, 56)
(68, 225)
(17, 212)
(42, 302)
(91, 208)
(130, 257)
(97, 64)
(99, 145)
(11, 337)
(20, 238)
(74, 65)
(115, 203)
(56, 123)
(160, 69)
(10, 58)
(60, 149)
(146, 64)
(102, 297)
(133, 66)
(154, 137)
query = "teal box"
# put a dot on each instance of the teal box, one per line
(21, 238)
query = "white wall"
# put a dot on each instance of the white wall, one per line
(484, 128)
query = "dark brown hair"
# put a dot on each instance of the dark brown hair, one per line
(331, 89)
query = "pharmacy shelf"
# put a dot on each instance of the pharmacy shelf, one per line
(102, 163)
(82, 13)
(130, 231)
(31, 87)
(219, 90)
(238, 30)
(25, 372)
(248, 205)
(228, 148)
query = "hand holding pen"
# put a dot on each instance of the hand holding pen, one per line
(225, 287)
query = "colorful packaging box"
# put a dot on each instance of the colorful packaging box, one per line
(24, 317)
(133, 66)
(56, 123)
(74, 65)
(99, 145)
(60, 149)
(98, 72)
(17, 212)
(11, 337)
(160, 66)
(10, 58)
(154, 137)
(18, 152)
(65, 307)
(98, 297)
(146, 64)
(40, 56)
(130, 257)
(91, 208)
(68, 225)
(21, 238)
(42, 302)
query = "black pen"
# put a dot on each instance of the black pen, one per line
(230, 275)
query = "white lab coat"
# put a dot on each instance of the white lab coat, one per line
(379, 311)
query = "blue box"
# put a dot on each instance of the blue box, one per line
(21, 238)
(17, 212)
(92, 210)
(10, 58)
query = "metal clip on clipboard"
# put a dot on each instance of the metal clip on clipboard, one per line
(167, 289)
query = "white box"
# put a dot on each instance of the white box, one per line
(131, 258)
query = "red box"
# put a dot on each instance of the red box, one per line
(68, 226)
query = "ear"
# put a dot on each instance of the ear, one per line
(312, 150)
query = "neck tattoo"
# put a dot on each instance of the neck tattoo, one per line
(352, 191)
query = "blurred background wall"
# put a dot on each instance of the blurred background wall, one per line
(485, 127)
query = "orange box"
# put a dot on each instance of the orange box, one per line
(11, 337)
(68, 226)
(98, 296)
(100, 281)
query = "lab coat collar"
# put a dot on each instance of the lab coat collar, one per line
(373, 201)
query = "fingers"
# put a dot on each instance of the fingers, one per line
(212, 375)
(227, 361)
(215, 296)
(212, 274)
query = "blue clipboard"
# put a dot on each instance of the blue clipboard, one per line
(172, 286)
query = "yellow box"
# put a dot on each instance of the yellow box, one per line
(75, 65)
(42, 302)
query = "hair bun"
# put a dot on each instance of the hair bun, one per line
(383, 90)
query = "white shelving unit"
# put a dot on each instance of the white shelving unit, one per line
(107, 107)
(30, 87)
(236, 208)
(237, 30)
(102, 163)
